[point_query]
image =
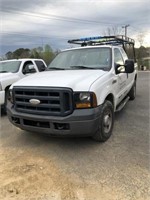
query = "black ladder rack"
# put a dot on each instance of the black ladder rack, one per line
(103, 40)
(121, 40)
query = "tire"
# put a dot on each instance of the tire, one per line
(132, 93)
(106, 123)
(6, 99)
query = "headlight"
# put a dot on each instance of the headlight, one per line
(84, 97)
(85, 100)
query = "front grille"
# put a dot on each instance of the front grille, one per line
(53, 101)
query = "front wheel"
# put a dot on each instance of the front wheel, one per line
(106, 122)
(6, 100)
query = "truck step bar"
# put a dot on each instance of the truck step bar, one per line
(122, 104)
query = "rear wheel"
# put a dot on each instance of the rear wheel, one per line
(105, 123)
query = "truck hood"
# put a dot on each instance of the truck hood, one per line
(78, 80)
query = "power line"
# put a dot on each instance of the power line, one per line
(140, 30)
(31, 35)
(52, 40)
(56, 17)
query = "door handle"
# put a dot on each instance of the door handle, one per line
(114, 81)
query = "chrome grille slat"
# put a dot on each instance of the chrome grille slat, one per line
(38, 97)
(40, 105)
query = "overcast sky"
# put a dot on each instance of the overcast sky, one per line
(33, 23)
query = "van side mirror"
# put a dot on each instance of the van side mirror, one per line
(129, 66)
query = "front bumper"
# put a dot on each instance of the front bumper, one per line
(80, 122)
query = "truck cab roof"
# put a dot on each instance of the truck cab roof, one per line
(20, 59)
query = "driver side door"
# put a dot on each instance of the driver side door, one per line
(121, 77)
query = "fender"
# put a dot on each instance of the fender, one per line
(8, 78)
(103, 87)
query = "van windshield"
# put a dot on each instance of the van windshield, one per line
(86, 58)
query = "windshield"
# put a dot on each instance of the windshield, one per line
(93, 58)
(9, 66)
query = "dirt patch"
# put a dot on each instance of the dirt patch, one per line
(25, 177)
(33, 178)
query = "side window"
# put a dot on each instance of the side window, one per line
(40, 65)
(28, 68)
(118, 57)
(125, 57)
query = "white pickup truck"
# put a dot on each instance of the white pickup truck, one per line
(14, 70)
(79, 92)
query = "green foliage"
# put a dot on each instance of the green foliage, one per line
(9, 55)
(46, 53)
(34, 53)
(143, 56)
(19, 53)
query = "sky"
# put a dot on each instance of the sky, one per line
(34, 23)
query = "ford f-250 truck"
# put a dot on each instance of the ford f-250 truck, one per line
(14, 70)
(79, 92)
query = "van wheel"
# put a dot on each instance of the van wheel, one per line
(106, 122)
(132, 93)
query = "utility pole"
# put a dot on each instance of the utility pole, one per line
(125, 28)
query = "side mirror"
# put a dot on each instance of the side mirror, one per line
(119, 68)
(31, 67)
(129, 66)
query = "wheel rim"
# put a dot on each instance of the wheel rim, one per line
(107, 121)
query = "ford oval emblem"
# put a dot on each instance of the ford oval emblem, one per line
(34, 101)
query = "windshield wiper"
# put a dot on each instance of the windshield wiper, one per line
(86, 67)
(103, 68)
(54, 68)
(3, 71)
(81, 67)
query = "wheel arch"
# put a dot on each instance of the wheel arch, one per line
(7, 88)
(110, 97)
